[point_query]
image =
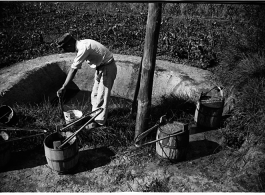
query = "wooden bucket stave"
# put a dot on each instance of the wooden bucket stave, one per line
(61, 160)
(173, 148)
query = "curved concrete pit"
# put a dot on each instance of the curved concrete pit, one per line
(33, 80)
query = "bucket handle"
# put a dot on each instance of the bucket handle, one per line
(144, 134)
(219, 89)
(74, 134)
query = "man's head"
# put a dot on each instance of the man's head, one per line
(67, 43)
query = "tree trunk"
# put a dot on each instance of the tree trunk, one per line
(148, 66)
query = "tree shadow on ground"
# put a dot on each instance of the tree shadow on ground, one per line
(93, 158)
(202, 148)
(196, 150)
(88, 159)
(198, 146)
(25, 159)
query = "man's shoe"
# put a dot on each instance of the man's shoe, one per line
(92, 125)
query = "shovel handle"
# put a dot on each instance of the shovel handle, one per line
(5, 114)
(24, 137)
(77, 120)
(174, 134)
(61, 105)
(74, 134)
(145, 133)
(22, 129)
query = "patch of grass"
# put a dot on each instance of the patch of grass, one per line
(248, 117)
(244, 131)
(120, 127)
(157, 186)
(175, 108)
(39, 116)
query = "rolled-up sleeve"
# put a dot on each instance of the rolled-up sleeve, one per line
(79, 59)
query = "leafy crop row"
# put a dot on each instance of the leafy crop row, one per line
(29, 29)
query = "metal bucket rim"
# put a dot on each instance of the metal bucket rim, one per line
(172, 133)
(10, 115)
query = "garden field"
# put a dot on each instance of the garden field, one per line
(226, 39)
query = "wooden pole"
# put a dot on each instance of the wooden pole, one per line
(134, 103)
(148, 66)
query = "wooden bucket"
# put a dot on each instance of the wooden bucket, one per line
(61, 160)
(172, 148)
(209, 109)
(5, 152)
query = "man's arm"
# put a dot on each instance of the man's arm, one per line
(70, 76)
(79, 59)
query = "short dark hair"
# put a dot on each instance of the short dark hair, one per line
(63, 40)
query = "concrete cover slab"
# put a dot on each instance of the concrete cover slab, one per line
(32, 80)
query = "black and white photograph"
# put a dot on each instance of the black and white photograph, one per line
(132, 96)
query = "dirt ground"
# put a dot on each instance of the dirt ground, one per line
(101, 169)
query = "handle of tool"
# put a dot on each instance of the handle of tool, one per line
(76, 121)
(20, 129)
(5, 115)
(174, 134)
(145, 133)
(61, 106)
(24, 137)
(74, 134)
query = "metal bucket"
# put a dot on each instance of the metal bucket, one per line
(61, 160)
(72, 115)
(209, 109)
(172, 147)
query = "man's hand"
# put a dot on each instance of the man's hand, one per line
(70, 76)
(61, 92)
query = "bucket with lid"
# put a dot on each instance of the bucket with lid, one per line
(209, 109)
(172, 146)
